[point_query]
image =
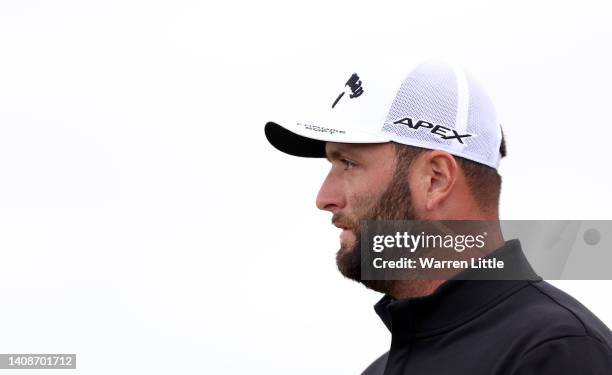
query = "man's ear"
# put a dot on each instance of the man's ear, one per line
(440, 175)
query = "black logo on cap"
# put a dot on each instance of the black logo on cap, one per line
(354, 83)
(439, 130)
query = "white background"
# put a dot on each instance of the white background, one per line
(146, 224)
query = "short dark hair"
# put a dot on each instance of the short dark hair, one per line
(484, 181)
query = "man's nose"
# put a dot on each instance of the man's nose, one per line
(331, 197)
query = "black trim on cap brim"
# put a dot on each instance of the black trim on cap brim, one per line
(293, 144)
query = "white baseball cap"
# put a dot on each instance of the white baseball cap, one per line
(436, 106)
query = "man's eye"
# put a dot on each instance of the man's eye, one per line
(347, 164)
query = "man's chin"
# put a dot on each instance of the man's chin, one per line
(348, 260)
(346, 247)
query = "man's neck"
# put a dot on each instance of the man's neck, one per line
(420, 288)
(414, 288)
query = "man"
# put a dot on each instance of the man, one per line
(429, 151)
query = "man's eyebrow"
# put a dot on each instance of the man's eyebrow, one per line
(334, 155)
(341, 153)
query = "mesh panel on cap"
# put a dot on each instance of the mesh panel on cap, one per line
(435, 92)
(482, 120)
(429, 93)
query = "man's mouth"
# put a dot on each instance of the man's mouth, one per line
(340, 225)
(347, 232)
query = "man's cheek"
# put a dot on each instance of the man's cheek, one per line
(361, 206)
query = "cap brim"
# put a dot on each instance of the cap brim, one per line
(307, 140)
(292, 143)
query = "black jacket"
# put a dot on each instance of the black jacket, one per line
(493, 327)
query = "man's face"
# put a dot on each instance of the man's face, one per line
(364, 183)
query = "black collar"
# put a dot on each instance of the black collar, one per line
(456, 301)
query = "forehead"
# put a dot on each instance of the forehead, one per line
(363, 151)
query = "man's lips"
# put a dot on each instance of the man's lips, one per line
(346, 231)
(341, 226)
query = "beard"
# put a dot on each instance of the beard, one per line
(395, 203)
